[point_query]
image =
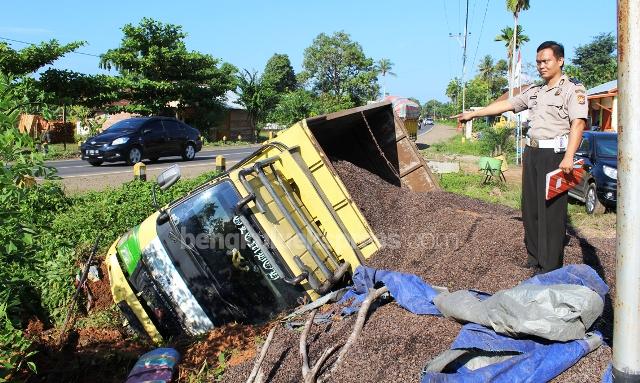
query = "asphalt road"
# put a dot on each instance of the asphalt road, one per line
(204, 158)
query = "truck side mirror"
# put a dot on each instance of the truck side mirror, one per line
(168, 177)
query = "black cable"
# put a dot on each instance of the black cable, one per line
(28, 43)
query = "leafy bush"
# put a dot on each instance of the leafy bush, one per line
(497, 136)
(25, 210)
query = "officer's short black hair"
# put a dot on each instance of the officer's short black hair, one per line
(557, 48)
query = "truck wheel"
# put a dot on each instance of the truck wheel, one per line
(592, 203)
(189, 152)
(95, 163)
(134, 156)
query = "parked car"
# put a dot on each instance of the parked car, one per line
(429, 121)
(598, 189)
(134, 139)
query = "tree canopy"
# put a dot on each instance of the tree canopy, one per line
(337, 66)
(33, 57)
(156, 68)
(595, 63)
(278, 74)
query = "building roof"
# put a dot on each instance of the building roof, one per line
(607, 87)
(231, 100)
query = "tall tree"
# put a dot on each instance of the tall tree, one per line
(279, 75)
(515, 6)
(156, 68)
(337, 66)
(506, 35)
(384, 66)
(595, 63)
(277, 79)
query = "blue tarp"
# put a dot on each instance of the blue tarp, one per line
(538, 361)
(408, 290)
(415, 295)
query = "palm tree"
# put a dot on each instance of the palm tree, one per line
(486, 68)
(384, 68)
(506, 35)
(515, 6)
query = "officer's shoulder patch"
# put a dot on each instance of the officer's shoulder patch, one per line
(581, 99)
(575, 81)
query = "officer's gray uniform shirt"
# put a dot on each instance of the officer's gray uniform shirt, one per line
(552, 109)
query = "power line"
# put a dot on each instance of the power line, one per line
(28, 43)
(480, 37)
(446, 18)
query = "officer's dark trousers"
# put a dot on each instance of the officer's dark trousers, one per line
(544, 221)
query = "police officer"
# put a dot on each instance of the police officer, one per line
(557, 113)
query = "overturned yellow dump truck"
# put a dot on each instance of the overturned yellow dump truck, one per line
(275, 229)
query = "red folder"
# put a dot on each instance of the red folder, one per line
(559, 182)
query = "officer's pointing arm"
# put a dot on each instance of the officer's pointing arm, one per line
(497, 107)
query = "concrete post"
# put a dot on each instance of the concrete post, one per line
(140, 171)
(626, 330)
(221, 163)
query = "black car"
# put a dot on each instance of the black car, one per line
(133, 139)
(598, 190)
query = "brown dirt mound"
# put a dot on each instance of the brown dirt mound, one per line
(448, 240)
(101, 290)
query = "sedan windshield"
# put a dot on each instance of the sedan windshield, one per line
(128, 125)
(607, 147)
(244, 278)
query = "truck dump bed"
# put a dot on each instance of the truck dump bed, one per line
(302, 205)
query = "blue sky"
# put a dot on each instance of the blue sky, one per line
(414, 35)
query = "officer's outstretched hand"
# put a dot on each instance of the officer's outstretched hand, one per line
(566, 165)
(464, 117)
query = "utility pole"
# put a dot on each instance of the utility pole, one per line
(626, 325)
(462, 39)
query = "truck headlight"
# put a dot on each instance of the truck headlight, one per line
(610, 172)
(120, 141)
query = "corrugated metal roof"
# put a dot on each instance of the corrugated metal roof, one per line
(231, 100)
(603, 88)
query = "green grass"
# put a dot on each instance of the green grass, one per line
(455, 146)
(58, 152)
(471, 185)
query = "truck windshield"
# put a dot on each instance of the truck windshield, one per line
(245, 281)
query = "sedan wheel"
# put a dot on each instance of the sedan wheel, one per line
(134, 156)
(189, 152)
(592, 203)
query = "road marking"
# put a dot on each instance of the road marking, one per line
(90, 166)
(53, 162)
(130, 171)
